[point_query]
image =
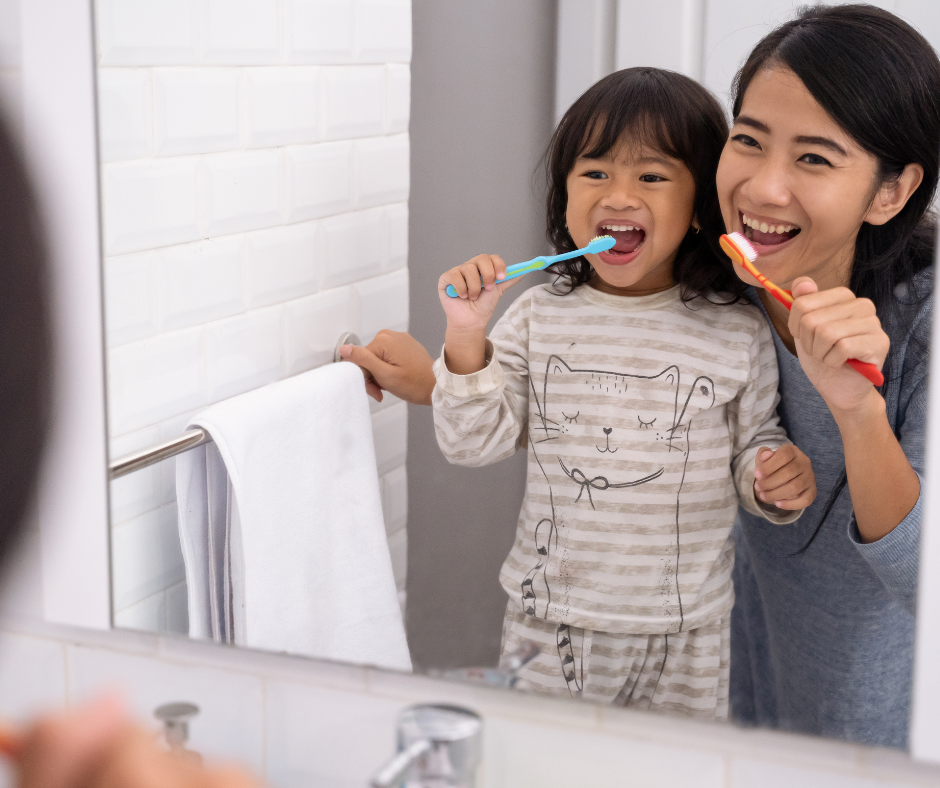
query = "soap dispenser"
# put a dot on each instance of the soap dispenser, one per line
(439, 746)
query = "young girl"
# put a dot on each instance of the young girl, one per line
(646, 392)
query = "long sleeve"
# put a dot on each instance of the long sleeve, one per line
(479, 419)
(895, 557)
(753, 423)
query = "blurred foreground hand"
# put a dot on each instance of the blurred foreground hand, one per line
(97, 746)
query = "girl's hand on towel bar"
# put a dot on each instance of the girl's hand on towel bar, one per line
(396, 362)
(97, 746)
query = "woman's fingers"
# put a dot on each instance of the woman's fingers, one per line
(833, 325)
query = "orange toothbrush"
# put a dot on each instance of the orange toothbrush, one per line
(740, 250)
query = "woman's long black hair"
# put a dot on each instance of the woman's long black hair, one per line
(669, 112)
(879, 79)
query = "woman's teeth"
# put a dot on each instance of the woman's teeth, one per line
(767, 228)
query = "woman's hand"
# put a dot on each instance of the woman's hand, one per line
(829, 328)
(479, 288)
(784, 478)
(98, 747)
(394, 361)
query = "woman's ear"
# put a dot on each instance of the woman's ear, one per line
(893, 196)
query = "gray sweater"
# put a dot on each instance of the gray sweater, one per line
(823, 642)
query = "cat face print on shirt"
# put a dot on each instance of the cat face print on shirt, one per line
(603, 438)
(609, 431)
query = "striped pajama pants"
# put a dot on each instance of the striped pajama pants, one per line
(684, 673)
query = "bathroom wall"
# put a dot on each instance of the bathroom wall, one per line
(255, 178)
(482, 115)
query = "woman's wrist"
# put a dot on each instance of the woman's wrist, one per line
(465, 350)
(858, 421)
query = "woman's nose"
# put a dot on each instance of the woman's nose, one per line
(768, 185)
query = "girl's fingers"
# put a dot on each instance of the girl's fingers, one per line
(455, 278)
(783, 491)
(471, 275)
(804, 499)
(766, 465)
(499, 266)
(775, 481)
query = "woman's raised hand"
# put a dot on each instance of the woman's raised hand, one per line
(829, 327)
(479, 287)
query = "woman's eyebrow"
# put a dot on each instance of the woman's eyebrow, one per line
(747, 120)
(803, 139)
(823, 142)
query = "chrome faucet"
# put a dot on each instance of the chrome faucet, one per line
(439, 746)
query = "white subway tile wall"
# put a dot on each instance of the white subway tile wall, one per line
(255, 175)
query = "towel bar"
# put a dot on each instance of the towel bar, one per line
(189, 439)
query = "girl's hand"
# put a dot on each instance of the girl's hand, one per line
(472, 309)
(829, 328)
(478, 288)
(784, 478)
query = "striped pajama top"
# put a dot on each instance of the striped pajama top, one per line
(643, 417)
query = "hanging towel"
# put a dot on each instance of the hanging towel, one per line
(281, 524)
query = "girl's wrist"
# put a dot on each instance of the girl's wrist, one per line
(465, 350)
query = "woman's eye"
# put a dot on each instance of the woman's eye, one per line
(596, 175)
(813, 158)
(651, 178)
(746, 139)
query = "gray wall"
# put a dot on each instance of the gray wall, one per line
(482, 100)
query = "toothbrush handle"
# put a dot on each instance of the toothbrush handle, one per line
(512, 272)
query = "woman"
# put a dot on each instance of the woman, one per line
(830, 169)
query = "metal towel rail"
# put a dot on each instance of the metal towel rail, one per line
(189, 439)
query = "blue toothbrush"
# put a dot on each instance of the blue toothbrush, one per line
(600, 244)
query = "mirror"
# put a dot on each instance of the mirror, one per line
(268, 186)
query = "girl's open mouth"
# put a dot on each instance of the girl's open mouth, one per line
(629, 238)
(764, 235)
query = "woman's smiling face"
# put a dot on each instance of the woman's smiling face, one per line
(794, 183)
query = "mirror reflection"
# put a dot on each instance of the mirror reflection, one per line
(691, 483)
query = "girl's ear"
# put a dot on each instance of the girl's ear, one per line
(695, 224)
(893, 196)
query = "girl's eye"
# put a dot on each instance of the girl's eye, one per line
(746, 139)
(596, 175)
(814, 158)
(651, 178)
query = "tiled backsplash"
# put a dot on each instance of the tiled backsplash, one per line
(255, 169)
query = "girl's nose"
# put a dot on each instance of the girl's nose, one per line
(768, 185)
(618, 198)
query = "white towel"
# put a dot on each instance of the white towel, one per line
(281, 524)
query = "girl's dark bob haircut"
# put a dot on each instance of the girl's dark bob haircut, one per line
(672, 114)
